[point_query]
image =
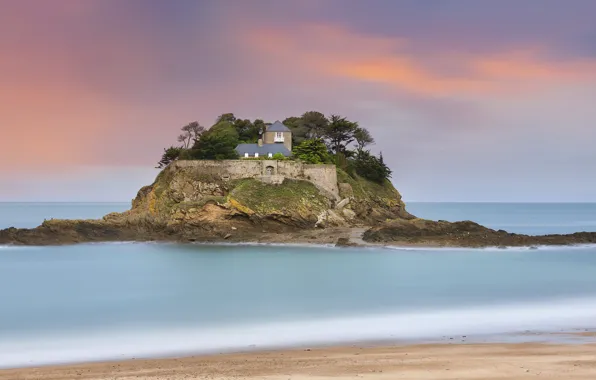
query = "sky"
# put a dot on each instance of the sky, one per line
(468, 100)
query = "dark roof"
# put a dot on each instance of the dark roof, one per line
(278, 126)
(263, 150)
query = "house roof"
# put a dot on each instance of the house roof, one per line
(263, 150)
(278, 126)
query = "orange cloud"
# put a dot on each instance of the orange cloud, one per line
(337, 52)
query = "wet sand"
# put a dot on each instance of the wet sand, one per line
(437, 361)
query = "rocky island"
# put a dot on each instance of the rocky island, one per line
(279, 189)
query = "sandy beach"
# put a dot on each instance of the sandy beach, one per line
(437, 361)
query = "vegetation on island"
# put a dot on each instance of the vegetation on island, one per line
(316, 139)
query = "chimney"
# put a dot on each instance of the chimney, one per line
(259, 142)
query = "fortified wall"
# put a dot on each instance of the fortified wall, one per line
(274, 172)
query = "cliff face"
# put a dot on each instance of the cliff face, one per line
(372, 202)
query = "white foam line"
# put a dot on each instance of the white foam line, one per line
(125, 343)
(493, 248)
(19, 247)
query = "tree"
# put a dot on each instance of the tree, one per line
(246, 130)
(363, 138)
(299, 130)
(170, 154)
(340, 133)
(260, 127)
(312, 151)
(229, 117)
(191, 132)
(292, 122)
(314, 124)
(370, 167)
(218, 143)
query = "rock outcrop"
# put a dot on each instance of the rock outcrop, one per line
(423, 232)
(189, 203)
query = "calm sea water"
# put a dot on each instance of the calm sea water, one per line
(112, 301)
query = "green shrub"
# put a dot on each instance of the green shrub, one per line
(169, 155)
(312, 151)
(370, 167)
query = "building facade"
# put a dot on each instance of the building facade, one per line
(276, 139)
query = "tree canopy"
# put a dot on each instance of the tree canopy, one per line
(340, 133)
(363, 138)
(190, 133)
(316, 139)
(218, 143)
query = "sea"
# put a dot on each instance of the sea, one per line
(111, 301)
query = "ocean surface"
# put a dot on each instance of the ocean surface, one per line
(128, 300)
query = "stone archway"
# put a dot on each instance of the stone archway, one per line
(269, 170)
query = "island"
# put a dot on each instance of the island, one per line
(309, 179)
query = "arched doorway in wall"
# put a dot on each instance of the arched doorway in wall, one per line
(269, 170)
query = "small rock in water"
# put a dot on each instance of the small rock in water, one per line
(344, 242)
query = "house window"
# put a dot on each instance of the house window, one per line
(256, 155)
(279, 137)
(246, 155)
(270, 155)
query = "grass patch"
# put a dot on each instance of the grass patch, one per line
(291, 196)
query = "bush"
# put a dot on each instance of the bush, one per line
(169, 155)
(371, 167)
(312, 151)
(279, 157)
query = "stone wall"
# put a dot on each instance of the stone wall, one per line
(268, 171)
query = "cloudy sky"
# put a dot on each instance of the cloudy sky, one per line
(468, 100)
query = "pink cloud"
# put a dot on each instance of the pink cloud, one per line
(331, 51)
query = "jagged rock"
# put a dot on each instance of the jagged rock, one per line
(348, 214)
(343, 203)
(464, 234)
(345, 190)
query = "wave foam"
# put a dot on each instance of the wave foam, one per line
(126, 343)
(493, 249)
